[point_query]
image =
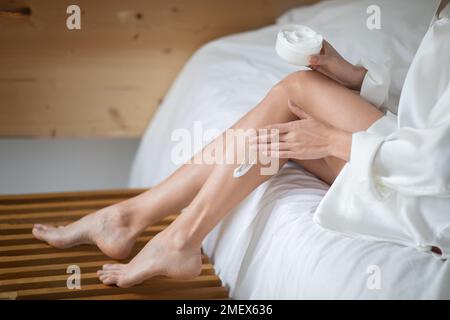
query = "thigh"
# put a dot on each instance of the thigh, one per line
(325, 169)
(330, 102)
(334, 104)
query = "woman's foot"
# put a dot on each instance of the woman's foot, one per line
(111, 229)
(160, 256)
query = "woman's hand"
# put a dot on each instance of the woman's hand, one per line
(330, 63)
(303, 139)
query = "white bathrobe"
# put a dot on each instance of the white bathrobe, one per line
(396, 186)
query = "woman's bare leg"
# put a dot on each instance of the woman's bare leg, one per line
(114, 229)
(175, 252)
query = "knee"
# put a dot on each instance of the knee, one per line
(295, 84)
(294, 87)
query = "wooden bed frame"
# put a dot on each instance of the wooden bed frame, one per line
(107, 79)
(30, 269)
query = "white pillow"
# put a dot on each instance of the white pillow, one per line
(343, 24)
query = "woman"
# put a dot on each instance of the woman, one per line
(322, 123)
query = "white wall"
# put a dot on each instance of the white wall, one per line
(35, 166)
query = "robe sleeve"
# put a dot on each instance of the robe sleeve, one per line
(410, 161)
(375, 86)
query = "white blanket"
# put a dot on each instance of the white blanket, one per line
(269, 247)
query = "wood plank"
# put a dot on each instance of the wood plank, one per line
(13, 274)
(89, 277)
(63, 221)
(69, 196)
(30, 269)
(28, 238)
(23, 235)
(55, 206)
(155, 285)
(107, 79)
(77, 254)
(33, 246)
(30, 218)
(189, 294)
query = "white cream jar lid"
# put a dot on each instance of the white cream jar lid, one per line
(295, 43)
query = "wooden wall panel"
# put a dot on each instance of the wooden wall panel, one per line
(106, 79)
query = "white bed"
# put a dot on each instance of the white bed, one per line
(269, 247)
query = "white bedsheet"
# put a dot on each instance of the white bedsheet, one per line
(269, 247)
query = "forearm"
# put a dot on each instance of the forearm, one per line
(356, 77)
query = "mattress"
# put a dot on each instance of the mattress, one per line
(269, 247)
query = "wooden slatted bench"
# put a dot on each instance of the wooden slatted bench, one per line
(30, 269)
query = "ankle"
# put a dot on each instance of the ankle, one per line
(127, 217)
(190, 228)
(181, 239)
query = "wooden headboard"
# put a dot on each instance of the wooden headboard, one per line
(107, 79)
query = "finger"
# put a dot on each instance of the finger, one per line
(316, 60)
(325, 47)
(264, 138)
(262, 147)
(277, 146)
(267, 139)
(281, 127)
(279, 154)
(297, 110)
(280, 146)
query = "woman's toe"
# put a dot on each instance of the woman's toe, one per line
(38, 232)
(110, 277)
(115, 266)
(123, 282)
(42, 229)
(45, 233)
(102, 275)
(109, 280)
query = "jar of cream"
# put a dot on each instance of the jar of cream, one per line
(295, 43)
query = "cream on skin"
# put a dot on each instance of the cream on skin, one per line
(243, 169)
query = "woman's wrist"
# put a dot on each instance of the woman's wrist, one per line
(340, 144)
(357, 77)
